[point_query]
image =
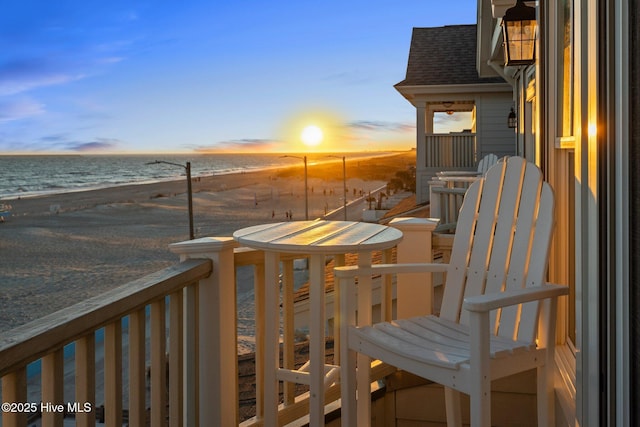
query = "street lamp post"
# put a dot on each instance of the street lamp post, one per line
(187, 168)
(344, 184)
(306, 187)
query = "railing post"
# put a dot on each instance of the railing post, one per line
(414, 291)
(217, 332)
(435, 198)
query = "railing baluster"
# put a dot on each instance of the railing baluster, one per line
(137, 377)
(259, 337)
(53, 389)
(288, 356)
(339, 261)
(113, 374)
(190, 356)
(387, 289)
(14, 390)
(431, 151)
(449, 151)
(86, 379)
(175, 359)
(158, 363)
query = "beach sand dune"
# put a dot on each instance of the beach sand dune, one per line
(60, 249)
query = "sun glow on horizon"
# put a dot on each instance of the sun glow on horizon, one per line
(312, 135)
(313, 130)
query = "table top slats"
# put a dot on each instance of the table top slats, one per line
(327, 237)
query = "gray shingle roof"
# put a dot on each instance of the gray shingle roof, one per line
(444, 56)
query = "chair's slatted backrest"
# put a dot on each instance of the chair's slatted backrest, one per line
(486, 162)
(502, 242)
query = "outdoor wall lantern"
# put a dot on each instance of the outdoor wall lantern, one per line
(519, 27)
(512, 120)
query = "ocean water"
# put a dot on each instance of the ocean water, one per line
(32, 175)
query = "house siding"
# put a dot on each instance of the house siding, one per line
(492, 133)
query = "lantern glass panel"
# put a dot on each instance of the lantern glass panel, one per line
(519, 27)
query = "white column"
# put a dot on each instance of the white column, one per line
(217, 330)
(421, 152)
(428, 116)
(414, 291)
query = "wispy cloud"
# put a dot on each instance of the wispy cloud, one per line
(248, 144)
(15, 109)
(381, 126)
(60, 142)
(100, 144)
(22, 75)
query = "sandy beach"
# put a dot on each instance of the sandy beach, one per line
(57, 250)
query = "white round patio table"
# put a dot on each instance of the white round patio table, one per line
(317, 239)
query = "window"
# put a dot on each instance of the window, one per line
(565, 82)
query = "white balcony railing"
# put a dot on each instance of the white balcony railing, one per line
(45, 339)
(437, 152)
(187, 316)
(446, 151)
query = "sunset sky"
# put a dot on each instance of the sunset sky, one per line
(245, 75)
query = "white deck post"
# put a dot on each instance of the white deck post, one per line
(435, 199)
(217, 345)
(414, 291)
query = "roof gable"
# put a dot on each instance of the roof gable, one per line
(444, 56)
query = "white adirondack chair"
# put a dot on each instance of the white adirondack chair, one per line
(486, 163)
(497, 316)
(447, 189)
(483, 166)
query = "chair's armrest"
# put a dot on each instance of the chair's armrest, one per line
(352, 271)
(488, 302)
(458, 173)
(445, 190)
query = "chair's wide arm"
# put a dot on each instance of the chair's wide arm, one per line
(353, 271)
(444, 190)
(488, 302)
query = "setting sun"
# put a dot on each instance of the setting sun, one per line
(314, 131)
(311, 135)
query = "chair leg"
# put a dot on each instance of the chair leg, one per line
(348, 357)
(481, 409)
(546, 413)
(480, 390)
(363, 374)
(348, 387)
(453, 407)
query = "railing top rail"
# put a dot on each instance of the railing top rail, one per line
(33, 340)
(456, 134)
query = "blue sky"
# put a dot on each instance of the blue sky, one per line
(244, 75)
